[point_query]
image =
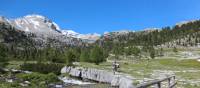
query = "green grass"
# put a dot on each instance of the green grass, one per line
(187, 86)
(154, 64)
(143, 68)
(190, 63)
(16, 64)
(189, 75)
(103, 66)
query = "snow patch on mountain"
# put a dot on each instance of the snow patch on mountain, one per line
(4, 19)
(42, 26)
(92, 37)
(184, 22)
(36, 24)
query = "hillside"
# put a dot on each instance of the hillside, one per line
(180, 35)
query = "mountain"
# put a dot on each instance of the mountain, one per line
(185, 22)
(185, 35)
(40, 30)
(92, 37)
(36, 24)
(41, 25)
(4, 20)
(46, 31)
(70, 33)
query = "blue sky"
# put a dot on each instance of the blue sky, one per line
(89, 16)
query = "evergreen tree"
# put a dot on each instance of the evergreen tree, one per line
(96, 55)
(161, 52)
(136, 51)
(50, 54)
(3, 55)
(84, 57)
(77, 52)
(70, 57)
(116, 51)
(152, 52)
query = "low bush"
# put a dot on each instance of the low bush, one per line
(9, 85)
(42, 67)
(38, 78)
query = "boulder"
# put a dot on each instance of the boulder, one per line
(103, 76)
(65, 69)
(75, 72)
(115, 81)
(96, 75)
(125, 82)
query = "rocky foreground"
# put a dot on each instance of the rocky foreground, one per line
(102, 76)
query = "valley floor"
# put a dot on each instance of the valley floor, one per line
(184, 65)
(187, 71)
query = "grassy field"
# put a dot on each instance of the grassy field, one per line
(187, 71)
(16, 64)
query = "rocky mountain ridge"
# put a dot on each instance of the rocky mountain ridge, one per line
(42, 26)
(45, 30)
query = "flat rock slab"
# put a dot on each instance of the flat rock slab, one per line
(120, 80)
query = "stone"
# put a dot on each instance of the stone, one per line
(27, 82)
(27, 72)
(75, 72)
(59, 86)
(9, 80)
(24, 85)
(125, 82)
(65, 69)
(115, 81)
(119, 80)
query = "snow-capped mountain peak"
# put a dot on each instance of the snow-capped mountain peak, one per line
(42, 26)
(35, 16)
(36, 24)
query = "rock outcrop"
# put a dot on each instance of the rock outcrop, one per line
(103, 76)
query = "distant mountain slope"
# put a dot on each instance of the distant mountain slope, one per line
(41, 25)
(36, 24)
(9, 35)
(44, 34)
(155, 37)
(43, 31)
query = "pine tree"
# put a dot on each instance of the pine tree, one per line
(136, 51)
(50, 54)
(152, 52)
(3, 55)
(116, 51)
(84, 57)
(70, 57)
(96, 55)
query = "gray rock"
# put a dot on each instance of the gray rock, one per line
(75, 72)
(103, 76)
(125, 82)
(115, 81)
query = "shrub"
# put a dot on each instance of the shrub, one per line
(42, 68)
(38, 78)
(9, 85)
